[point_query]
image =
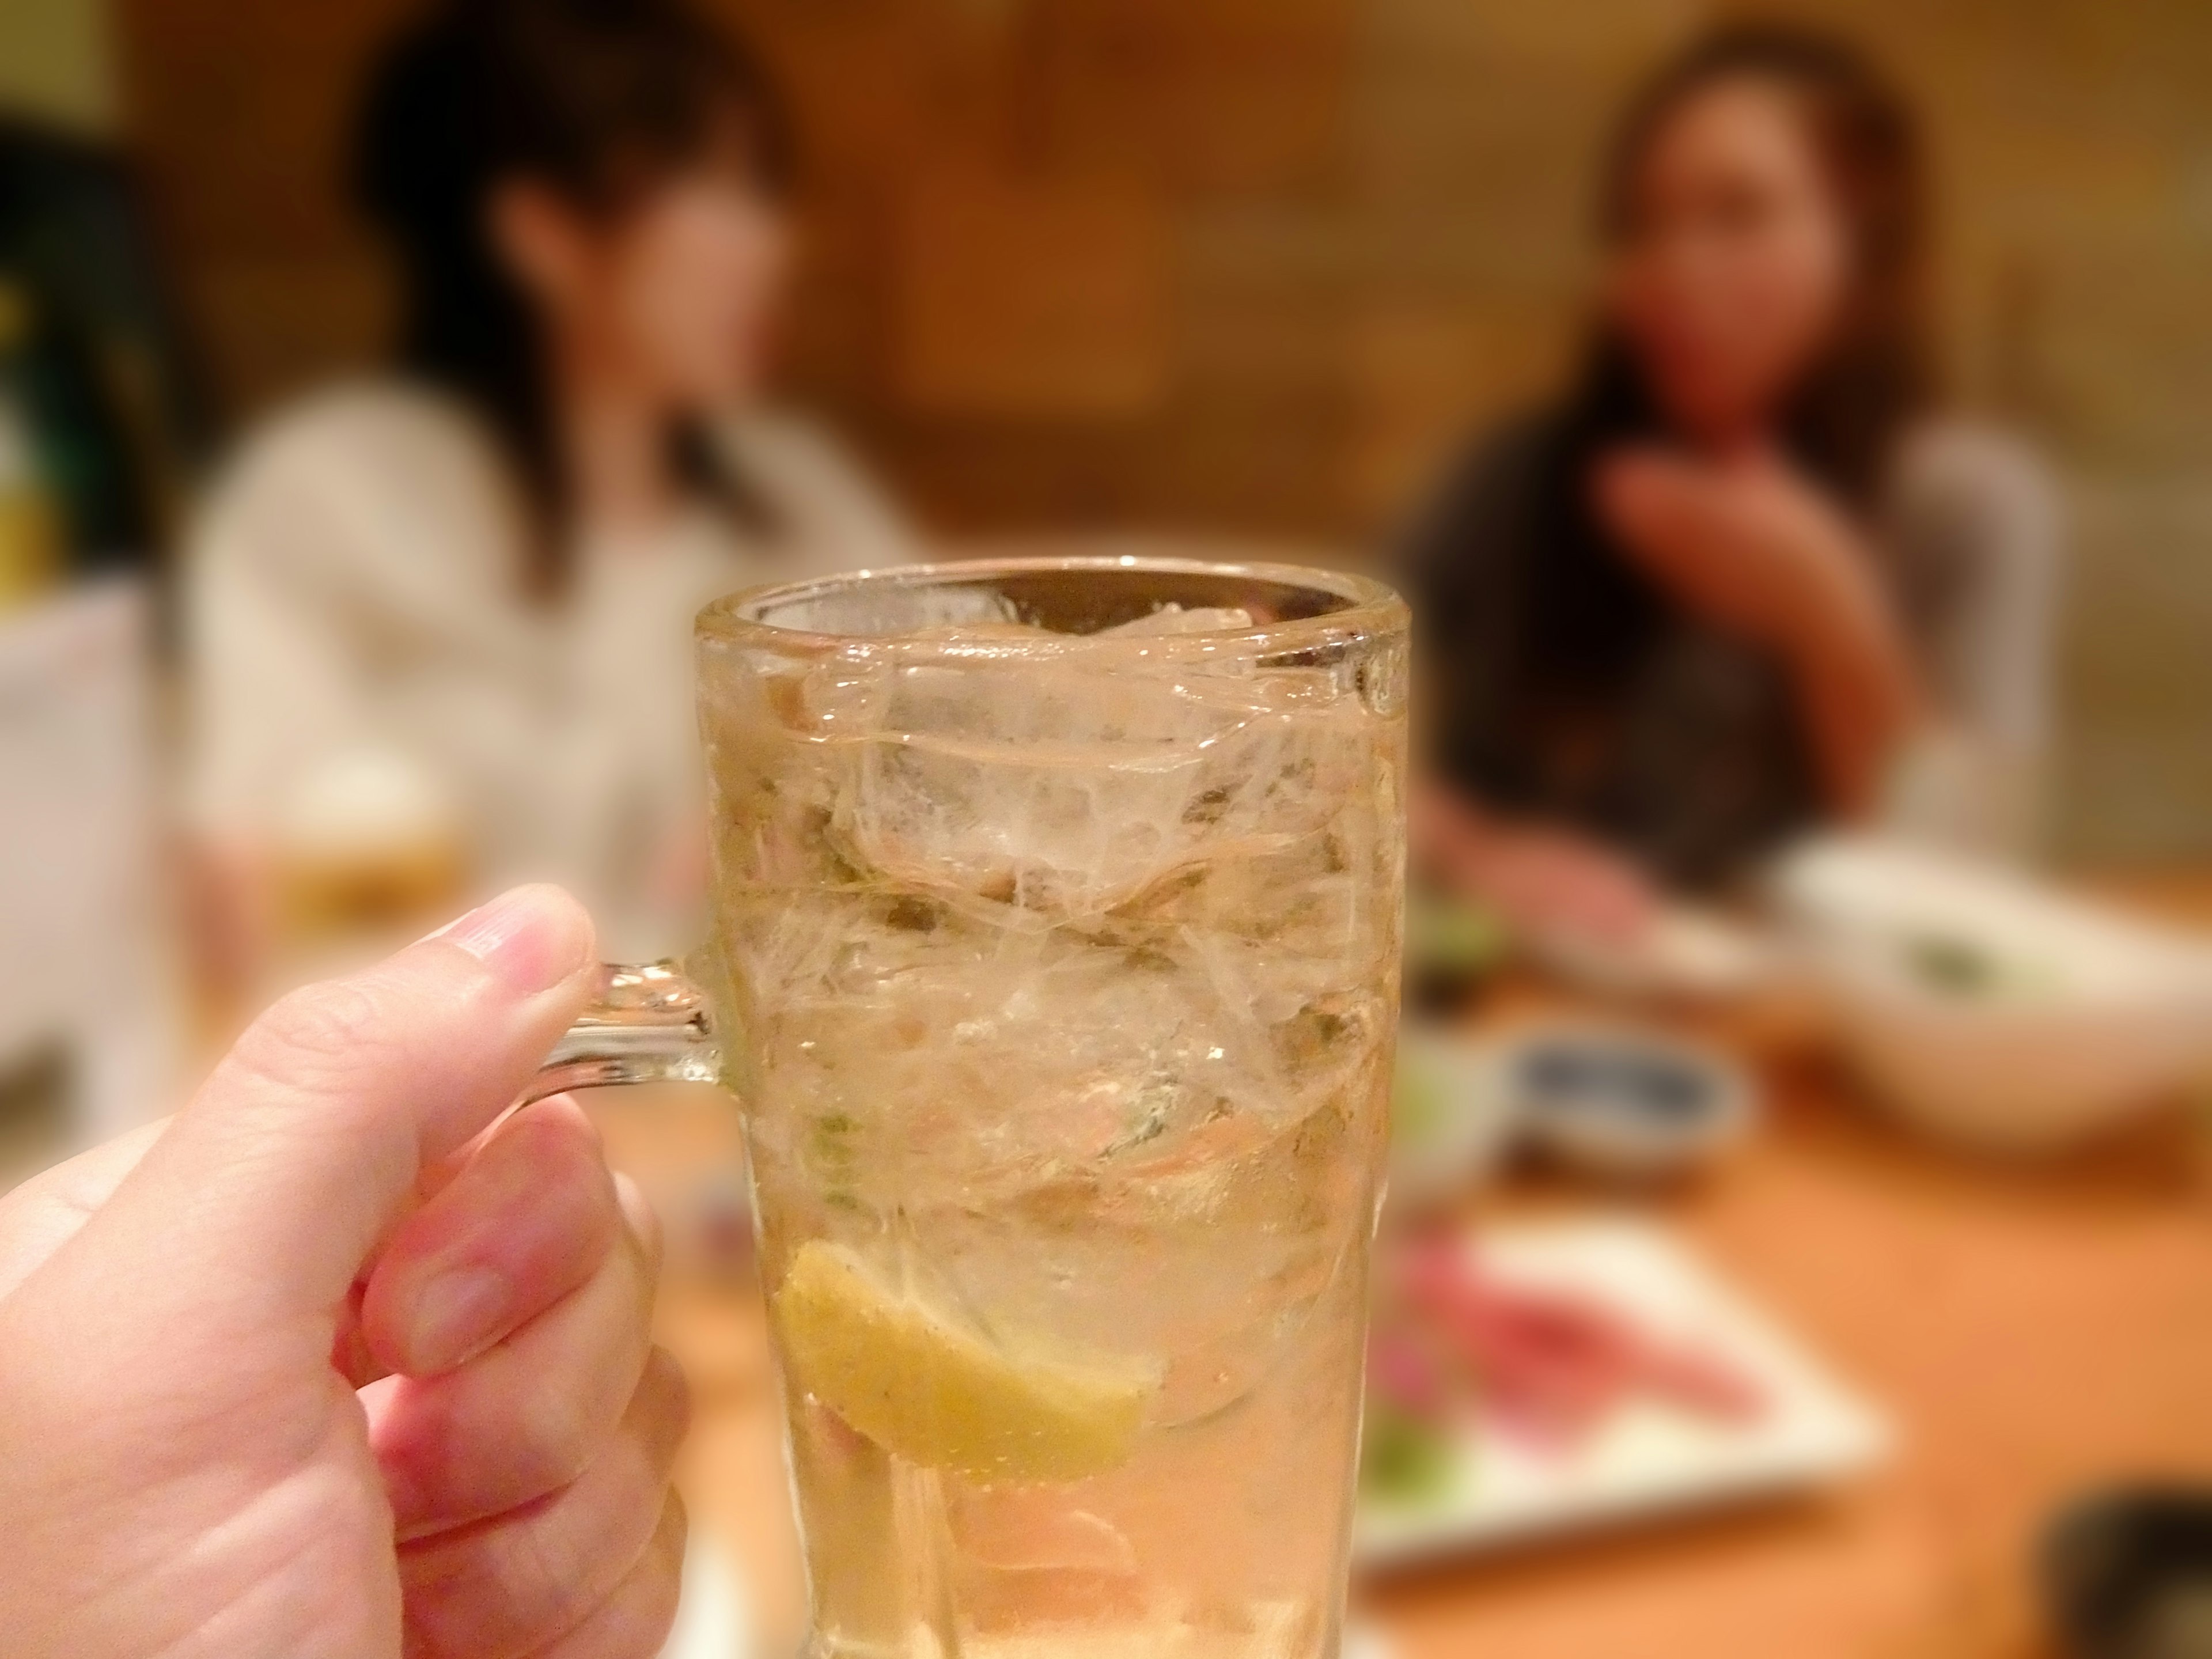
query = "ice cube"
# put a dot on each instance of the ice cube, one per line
(1173, 618)
(1075, 794)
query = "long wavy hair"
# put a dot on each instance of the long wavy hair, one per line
(597, 100)
(1591, 611)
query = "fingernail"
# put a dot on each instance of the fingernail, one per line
(458, 1314)
(529, 937)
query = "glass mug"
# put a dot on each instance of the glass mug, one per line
(1056, 918)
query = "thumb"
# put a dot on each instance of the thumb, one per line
(274, 1185)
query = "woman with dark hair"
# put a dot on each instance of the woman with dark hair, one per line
(1745, 580)
(452, 604)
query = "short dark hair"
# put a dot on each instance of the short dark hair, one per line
(596, 100)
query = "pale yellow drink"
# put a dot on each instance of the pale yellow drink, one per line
(1060, 908)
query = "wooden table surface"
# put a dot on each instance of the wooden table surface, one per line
(2034, 1333)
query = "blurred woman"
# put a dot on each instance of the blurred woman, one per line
(1745, 579)
(459, 594)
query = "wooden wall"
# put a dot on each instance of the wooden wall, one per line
(1256, 264)
(55, 62)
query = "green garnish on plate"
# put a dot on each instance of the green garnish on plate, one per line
(1403, 1461)
(1420, 1104)
(1450, 936)
(1960, 968)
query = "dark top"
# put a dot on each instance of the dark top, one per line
(1649, 727)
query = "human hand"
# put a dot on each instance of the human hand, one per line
(1744, 542)
(1546, 881)
(325, 1365)
(1558, 885)
(1759, 550)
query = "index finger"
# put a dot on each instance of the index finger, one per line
(529, 1217)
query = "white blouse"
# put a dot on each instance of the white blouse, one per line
(355, 588)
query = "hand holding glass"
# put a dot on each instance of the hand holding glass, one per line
(1056, 912)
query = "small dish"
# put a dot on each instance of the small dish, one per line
(2128, 1574)
(1623, 1101)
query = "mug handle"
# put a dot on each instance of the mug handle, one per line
(649, 1022)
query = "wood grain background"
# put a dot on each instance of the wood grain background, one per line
(1256, 265)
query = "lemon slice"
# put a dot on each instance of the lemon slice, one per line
(930, 1392)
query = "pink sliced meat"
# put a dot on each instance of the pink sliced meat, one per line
(1550, 1365)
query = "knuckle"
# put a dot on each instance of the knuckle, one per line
(561, 1114)
(663, 1400)
(571, 1194)
(655, 1590)
(675, 1525)
(557, 1433)
(666, 1374)
(328, 1018)
(564, 1143)
(319, 1031)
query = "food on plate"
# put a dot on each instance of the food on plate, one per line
(1405, 1459)
(1449, 945)
(1451, 936)
(1995, 1011)
(1420, 1102)
(1409, 1448)
(1455, 1345)
(1961, 968)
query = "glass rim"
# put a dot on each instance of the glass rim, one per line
(1368, 608)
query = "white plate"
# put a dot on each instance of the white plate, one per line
(1647, 1461)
